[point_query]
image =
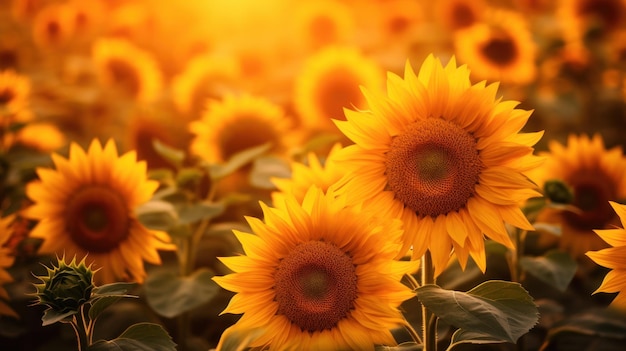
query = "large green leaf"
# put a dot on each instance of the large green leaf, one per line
(556, 268)
(498, 309)
(157, 215)
(138, 337)
(170, 294)
(237, 161)
(204, 210)
(173, 155)
(461, 336)
(105, 295)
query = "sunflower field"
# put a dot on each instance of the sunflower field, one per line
(385, 175)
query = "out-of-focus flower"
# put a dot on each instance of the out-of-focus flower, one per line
(53, 27)
(318, 275)
(235, 124)
(6, 260)
(500, 48)
(459, 14)
(14, 98)
(613, 258)
(396, 21)
(329, 82)
(205, 77)
(42, 136)
(143, 128)
(64, 289)
(86, 206)
(597, 176)
(446, 157)
(26, 10)
(124, 66)
(322, 174)
(596, 18)
(319, 24)
(86, 17)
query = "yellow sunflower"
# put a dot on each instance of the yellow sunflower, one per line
(446, 157)
(53, 26)
(122, 65)
(613, 258)
(596, 176)
(303, 175)
(598, 18)
(323, 23)
(329, 81)
(143, 128)
(6, 260)
(318, 275)
(204, 77)
(85, 208)
(500, 48)
(14, 98)
(237, 123)
(459, 14)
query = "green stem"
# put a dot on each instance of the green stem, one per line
(81, 334)
(429, 323)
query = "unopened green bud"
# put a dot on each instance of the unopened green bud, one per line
(558, 191)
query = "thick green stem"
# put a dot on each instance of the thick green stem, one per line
(429, 323)
(81, 333)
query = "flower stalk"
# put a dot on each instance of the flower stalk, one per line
(429, 320)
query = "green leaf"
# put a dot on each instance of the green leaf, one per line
(138, 337)
(604, 323)
(105, 295)
(173, 155)
(555, 268)
(51, 316)
(266, 168)
(157, 215)
(554, 229)
(461, 336)
(238, 160)
(170, 295)
(118, 288)
(502, 310)
(196, 212)
(99, 304)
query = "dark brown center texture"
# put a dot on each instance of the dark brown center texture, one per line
(6, 95)
(245, 133)
(462, 16)
(592, 192)
(338, 89)
(500, 50)
(608, 14)
(97, 218)
(316, 285)
(433, 167)
(125, 75)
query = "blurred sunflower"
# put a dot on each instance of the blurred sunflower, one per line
(459, 14)
(329, 81)
(143, 128)
(122, 65)
(235, 124)
(397, 20)
(500, 48)
(53, 27)
(596, 176)
(85, 207)
(41, 136)
(86, 17)
(6, 260)
(205, 77)
(581, 19)
(318, 275)
(322, 174)
(446, 157)
(613, 258)
(319, 24)
(14, 98)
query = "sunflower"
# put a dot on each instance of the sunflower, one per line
(6, 260)
(14, 98)
(143, 128)
(319, 24)
(85, 207)
(459, 14)
(204, 77)
(613, 258)
(596, 176)
(499, 48)
(582, 19)
(321, 174)
(122, 65)
(237, 123)
(42, 136)
(443, 155)
(53, 26)
(397, 20)
(318, 276)
(329, 81)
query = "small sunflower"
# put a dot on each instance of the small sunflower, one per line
(329, 81)
(53, 26)
(398, 19)
(596, 18)
(85, 207)
(235, 124)
(596, 176)
(319, 24)
(318, 276)
(613, 258)
(459, 14)
(143, 128)
(6, 260)
(14, 98)
(500, 48)
(205, 77)
(314, 172)
(446, 157)
(122, 65)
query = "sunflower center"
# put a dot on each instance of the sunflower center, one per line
(125, 76)
(433, 167)
(462, 16)
(399, 24)
(6, 95)
(316, 285)
(501, 51)
(338, 89)
(592, 193)
(323, 30)
(245, 133)
(606, 13)
(97, 219)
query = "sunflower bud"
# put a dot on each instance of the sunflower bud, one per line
(64, 290)
(558, 192)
